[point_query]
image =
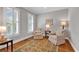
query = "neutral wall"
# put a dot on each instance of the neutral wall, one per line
(1, 16)
(56, 16)
(74, 27)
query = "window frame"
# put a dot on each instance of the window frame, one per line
(31, 15)
(17, 22)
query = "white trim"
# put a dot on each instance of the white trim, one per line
(18, 40)
(73, 46)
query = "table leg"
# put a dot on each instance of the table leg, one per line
(12, 46)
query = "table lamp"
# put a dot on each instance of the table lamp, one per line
(63, 24)
(2, 31)
(47, 26)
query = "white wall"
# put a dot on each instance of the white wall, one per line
(56, 16)
(74, 27)
(1, 16)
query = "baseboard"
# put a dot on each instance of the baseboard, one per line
(73, 46)
(22, 39)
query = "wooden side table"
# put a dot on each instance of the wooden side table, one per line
(7, 43)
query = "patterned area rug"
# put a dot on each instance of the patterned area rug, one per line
(37, 45)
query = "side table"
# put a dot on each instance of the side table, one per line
(7, 43)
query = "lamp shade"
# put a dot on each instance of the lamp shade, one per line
(2, 29)
(47, 25)
(63, 23)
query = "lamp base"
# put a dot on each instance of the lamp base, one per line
(2, 38)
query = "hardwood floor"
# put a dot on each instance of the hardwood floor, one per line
(62, 48)
(66, 47)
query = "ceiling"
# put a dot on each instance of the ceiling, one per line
(41, 10)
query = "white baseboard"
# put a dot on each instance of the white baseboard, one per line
(15, 41)
(73, 46)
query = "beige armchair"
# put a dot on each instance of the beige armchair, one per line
(66, 34)
(57, 39)
(38, 34)
(53, 39)
(60, 37)
(60, 40)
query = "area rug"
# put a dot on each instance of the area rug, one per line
(37, 45)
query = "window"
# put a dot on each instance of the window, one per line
(11, 17)
(30, 22)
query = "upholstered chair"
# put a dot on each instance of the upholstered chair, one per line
(57, 39)
(66, 34)
(38, 34)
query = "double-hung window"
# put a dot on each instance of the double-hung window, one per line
(30, 22)
(12, 20)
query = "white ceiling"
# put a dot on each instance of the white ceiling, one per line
(41, 10)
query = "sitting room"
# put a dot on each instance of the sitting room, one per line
(39, 29)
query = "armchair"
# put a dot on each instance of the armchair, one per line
(57, 39)
(38, 34)
(66, 34)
